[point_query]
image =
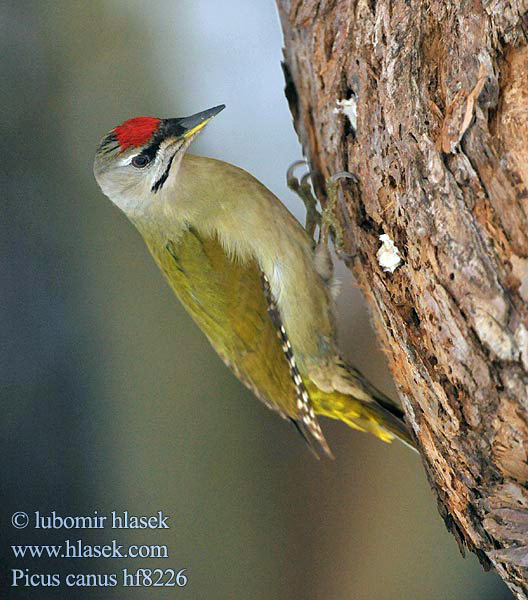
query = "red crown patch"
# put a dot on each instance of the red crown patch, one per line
(136, 132)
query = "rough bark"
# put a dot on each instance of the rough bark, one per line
(435, 126)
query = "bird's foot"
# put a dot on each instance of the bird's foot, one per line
(326, 220)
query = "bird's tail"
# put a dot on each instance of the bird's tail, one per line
(379, 416)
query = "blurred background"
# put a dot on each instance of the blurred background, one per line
(112, 399)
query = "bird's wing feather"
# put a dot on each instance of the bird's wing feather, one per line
(225, 299)
(307, 422)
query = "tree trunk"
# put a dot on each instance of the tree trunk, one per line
(426, 102)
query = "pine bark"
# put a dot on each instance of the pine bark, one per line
(426, 102)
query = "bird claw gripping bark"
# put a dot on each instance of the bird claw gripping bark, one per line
(326, 220)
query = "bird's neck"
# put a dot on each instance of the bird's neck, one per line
(214, 198)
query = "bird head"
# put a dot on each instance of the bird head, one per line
(136, 159)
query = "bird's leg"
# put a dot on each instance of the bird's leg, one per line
(303, 189)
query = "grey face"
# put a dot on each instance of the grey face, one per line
(132, 175)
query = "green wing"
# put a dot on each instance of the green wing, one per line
(225, 299)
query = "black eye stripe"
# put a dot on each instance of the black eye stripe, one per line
(166, 129)
(151, 150)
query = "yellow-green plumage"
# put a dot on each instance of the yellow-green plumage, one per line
(246, 272)
(225, 299)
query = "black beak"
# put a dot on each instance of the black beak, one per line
(188, 126)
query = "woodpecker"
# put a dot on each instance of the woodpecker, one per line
(247, 273)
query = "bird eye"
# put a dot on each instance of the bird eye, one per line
(140, 161)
